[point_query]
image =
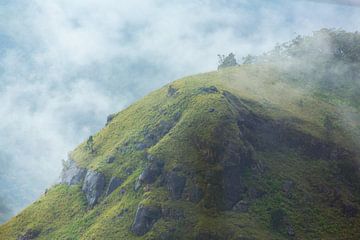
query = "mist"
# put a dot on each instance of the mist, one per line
(65, 66)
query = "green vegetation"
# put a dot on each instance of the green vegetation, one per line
(289, 154)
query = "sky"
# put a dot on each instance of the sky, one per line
(65, 65)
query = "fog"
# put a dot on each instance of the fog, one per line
(65, 65)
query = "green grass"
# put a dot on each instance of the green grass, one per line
(62, 212)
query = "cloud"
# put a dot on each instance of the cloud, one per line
(65, 65)
(340, 2)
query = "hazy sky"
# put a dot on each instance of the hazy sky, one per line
(65, 65)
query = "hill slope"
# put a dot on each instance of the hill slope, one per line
(241, 153)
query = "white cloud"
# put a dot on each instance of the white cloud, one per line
(65, 65)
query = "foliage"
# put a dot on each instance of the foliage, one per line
(227, 61)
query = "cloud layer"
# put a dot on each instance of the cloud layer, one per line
(65, 65)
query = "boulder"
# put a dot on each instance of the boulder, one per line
(211, 89)
(242, 206)
(171, 91)
(145, 218)
(110, 159)
(175, 185)
(287, 186)
(196, 194)
(173, 213)
(114, 183)
(30, 234)
(110, 118)
(93, 186)
(72, 174)
(150, 173)
(233, 186)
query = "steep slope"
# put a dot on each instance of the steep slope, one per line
(224, 155)
(242, 153)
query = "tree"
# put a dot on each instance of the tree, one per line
(249, 59)
(90, 144)
(228, 61)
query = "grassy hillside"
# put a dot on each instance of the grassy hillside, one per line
(240, 153)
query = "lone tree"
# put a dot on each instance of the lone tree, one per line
(90, 144)
(227, 61)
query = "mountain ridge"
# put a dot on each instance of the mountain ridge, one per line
(240, 153)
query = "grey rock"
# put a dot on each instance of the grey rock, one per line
(141, 146)
(173, 213)
(211, 89)
(137, 185)
(196, 194)
(171, 91)
(110, 118)
(150, 173)
(110, 159)
(290, 231)
(113, 184)
(145, 218)
(129, 171)
(233, 186)
(287, 186)
(255, 193)
(175, 185)
(72, 174)
(30, 234)
(242, 206)
(93, 186)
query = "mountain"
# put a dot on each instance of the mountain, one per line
(264, 150)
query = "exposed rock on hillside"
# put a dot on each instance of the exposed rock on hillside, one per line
(113, 184)
(93, 186)
(72, 174)
(145, 218)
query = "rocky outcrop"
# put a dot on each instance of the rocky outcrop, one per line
(71, 173)
(196, 193)
(211, 89)
(110, 118)
(150, 173)
(145, 218)
(242, 206)
(93, 186)
(175, 185)
(153, 136)
(171, 91)
(114, 183)
(30, 234)
(110, 159)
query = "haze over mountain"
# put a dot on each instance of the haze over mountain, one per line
(268, 149)
(66, 65)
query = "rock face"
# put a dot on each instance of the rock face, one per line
(72, 174)
(242, 206)
(93, 186)
(171, 91)
(110, 118)
(145, 218)
(175, 184)
(30, 234)
(211, 89)
(113, 184)
(150, 173)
